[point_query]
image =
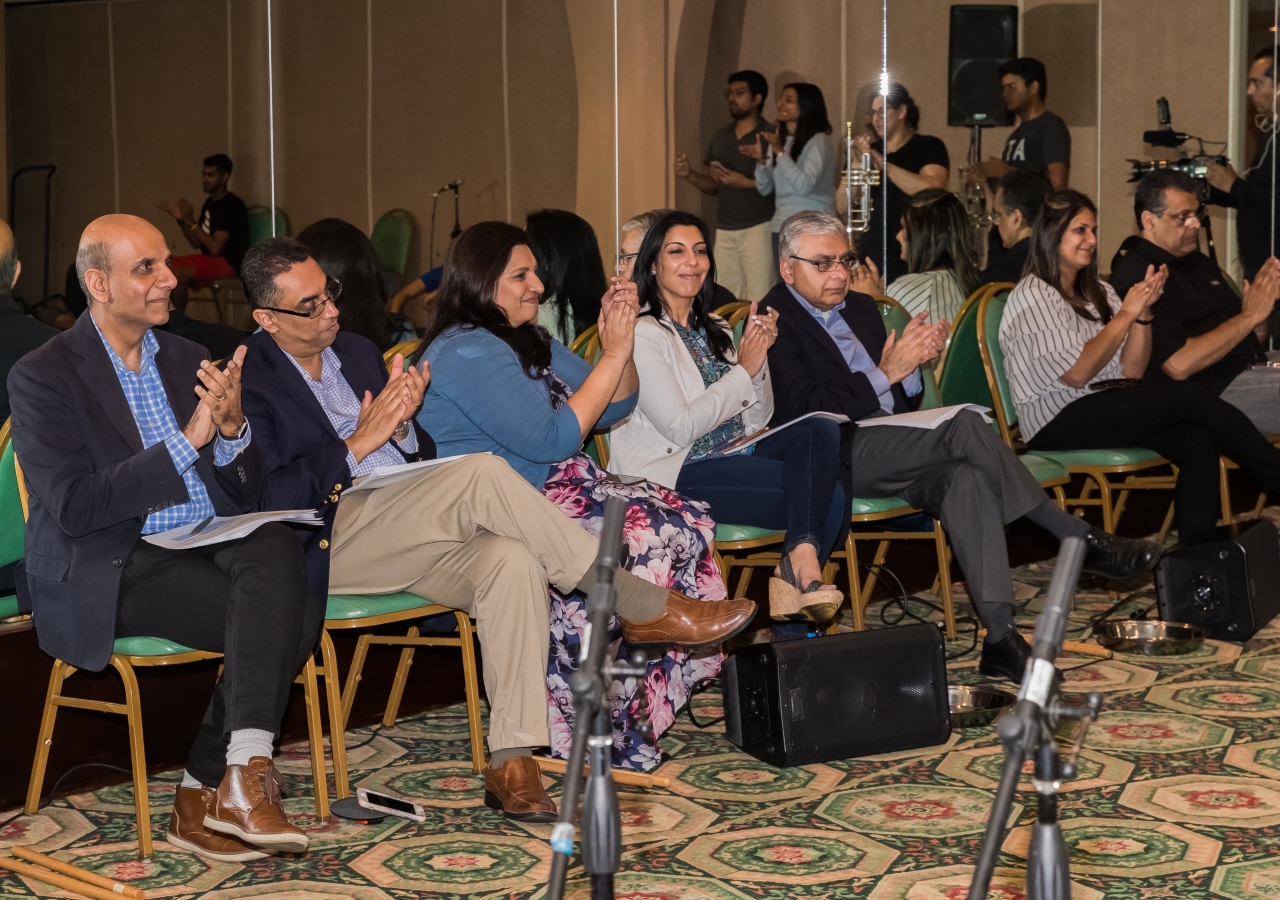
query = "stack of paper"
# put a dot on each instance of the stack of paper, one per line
(925, 418)
(228, 528)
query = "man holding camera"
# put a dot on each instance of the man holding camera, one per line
(1250, 195)
(1200, 329)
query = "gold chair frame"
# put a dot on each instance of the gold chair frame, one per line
(131, 709)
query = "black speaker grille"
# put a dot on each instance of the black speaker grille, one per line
(982, 38)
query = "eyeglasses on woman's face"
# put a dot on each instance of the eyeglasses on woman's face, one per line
(310, 309)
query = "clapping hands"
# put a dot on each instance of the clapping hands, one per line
(616, 325)
(757, 337)
(920, 343)
(219, 409)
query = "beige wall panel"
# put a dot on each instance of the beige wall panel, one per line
(164, 131)
(320, 102)
(437, 111)
(60, 113)
(544, 108)
(248, 124)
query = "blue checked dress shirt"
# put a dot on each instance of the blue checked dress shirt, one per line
(342, 407)
(145, 394)
(856, 355)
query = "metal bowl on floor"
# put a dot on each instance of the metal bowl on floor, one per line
(1150, 637)
(976, 706)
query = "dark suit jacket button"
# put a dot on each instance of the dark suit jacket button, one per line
(141, 519)
(324, 545)
(333, 498)
(117, 562)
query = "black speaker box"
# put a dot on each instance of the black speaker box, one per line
(983, 37)
(1227, 580)
(838, 696)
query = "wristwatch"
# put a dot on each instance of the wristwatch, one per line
(401, 432)
(244, 427)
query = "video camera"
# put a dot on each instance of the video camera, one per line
(1197, 167)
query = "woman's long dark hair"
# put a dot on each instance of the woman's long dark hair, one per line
(466, 296)
(1087, 296)
(569, 266)
(813, 116)
(344, 253)
(650, 294)
(938, 236)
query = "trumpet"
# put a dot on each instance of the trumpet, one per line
(856, 184)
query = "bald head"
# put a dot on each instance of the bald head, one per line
(9, 265)
(104, 236)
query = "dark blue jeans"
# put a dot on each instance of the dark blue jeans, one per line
(788, 483)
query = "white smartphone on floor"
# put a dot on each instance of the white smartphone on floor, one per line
(392, 806)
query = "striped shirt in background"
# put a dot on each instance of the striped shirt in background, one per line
(937, 293)
(1042, 336)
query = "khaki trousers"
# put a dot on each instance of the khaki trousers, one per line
(744, 261)
(475, 536)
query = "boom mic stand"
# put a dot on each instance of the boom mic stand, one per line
(1027, 730)
(601, 817)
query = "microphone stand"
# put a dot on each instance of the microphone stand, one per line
(457, 222)
(1028, 730)
(592, 728)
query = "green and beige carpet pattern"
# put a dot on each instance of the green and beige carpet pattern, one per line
(1178, 796)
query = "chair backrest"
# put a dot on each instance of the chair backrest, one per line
(260, 223)
(579, 344)
(737, 321)
(405, 347)
(896, 318)
(12, 506)
(990, 312)
(726, 311)
(392, 238)
(961, 378)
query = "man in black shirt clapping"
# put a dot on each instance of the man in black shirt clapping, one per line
(1201, 331)
(220, 233)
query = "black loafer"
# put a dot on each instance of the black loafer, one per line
(1118, 558)
(1006, 658)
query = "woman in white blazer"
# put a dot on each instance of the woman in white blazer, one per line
(697, 394)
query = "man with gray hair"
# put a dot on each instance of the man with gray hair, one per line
(19, 332)
(832, 355)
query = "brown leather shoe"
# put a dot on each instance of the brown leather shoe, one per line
(187, 831)
(516, 791)
(247, 806)
(690, 623)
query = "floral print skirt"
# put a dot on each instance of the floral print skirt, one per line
(668, 540)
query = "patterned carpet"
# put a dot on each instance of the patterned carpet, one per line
(1178, 796)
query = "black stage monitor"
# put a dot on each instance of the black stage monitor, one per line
(983, 37)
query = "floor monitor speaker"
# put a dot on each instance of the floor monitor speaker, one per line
(791, 703)
(1227, 580)
(983, 37)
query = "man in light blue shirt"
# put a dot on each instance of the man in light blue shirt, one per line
(833, 354)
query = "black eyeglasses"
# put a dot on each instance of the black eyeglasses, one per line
(332, 291)
(1183, 218)
(849, 262)
(627, 257)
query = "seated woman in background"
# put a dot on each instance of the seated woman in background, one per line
(570, 269)
(936, 244)
(500, 383)
(912, 161)
(796, 163)
(1065, 334)
(699, 393)
(345, 253)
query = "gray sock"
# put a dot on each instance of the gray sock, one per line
(498, 758)
(1058, 523)
(246, 743)
(190, 781)
(638, 600)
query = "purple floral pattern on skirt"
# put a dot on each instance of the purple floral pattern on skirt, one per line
(668, 540)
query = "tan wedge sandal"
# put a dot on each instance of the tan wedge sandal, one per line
(787, 603)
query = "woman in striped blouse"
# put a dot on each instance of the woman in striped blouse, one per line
(939, 254)
(1065, 334)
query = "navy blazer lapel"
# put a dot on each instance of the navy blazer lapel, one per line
(808, 324)
(290, 381)
(100, 376)
(179, 386)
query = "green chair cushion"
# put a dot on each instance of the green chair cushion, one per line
(12, 524)
(8, 606)
(391, 238)
(736, 533)
(1117, 456)
(363, 606)
(863, 506)
(1042, 468)
(148, 646)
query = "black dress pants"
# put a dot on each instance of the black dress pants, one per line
(245, 599)
(1183, 422)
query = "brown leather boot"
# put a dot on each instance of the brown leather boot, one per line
(187, 831)
(516, 791)
(690, 623)
(247, 806)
